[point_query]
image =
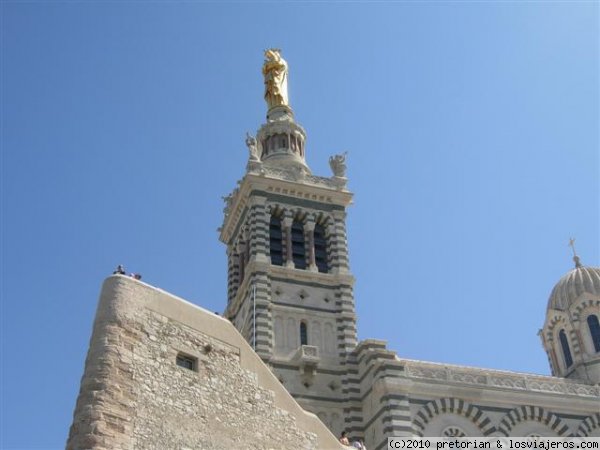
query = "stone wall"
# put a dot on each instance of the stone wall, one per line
(134, 396)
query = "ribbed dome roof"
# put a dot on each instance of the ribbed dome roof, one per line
(572, 285)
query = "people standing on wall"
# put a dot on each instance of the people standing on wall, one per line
(344, 439)
(358, 444)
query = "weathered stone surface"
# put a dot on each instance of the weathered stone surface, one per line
(134, 395)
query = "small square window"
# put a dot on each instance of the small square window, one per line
(186, 361)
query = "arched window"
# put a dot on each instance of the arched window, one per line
(298, 250)
(592, 321)
(275, 245)
(303, 334)
(320, 248)
(565, 348)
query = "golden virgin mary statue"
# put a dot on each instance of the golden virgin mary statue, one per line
(275, 71)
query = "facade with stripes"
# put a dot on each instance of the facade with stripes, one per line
(290, 294)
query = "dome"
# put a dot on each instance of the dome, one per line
(578, 281)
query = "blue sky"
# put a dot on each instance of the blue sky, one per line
(473, 140)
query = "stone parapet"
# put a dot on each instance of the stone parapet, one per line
(497, 378)
(336, 183)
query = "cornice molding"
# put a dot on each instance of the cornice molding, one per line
(309, 188)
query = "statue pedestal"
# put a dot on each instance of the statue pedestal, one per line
(339, 182)
(277, 113)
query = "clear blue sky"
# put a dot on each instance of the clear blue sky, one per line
(472, 132)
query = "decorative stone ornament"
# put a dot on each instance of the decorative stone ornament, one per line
(338, 165)
(251, 144)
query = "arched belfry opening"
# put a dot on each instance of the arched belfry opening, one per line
(275, 240)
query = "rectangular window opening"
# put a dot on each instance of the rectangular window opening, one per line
(187, 361)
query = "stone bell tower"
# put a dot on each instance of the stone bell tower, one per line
(289, 283)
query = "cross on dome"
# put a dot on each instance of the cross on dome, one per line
(575, 257)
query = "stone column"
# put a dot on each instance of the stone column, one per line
(554, 366)
(397, 418)
(338, 251)
(578, 344)
(309, 228)
(258, 226)
(233, 273)
(241, 261)
(264, 317)
(346, 319)
(338, 243)
(287, 227)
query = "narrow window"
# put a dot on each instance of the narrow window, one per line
(592, 321)
(293, 143)
(275, 243)
(303, 334)
(565, 348)
(186, 361)
(298, 250)
(320, 248)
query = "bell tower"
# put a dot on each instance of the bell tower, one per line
(290, 290)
